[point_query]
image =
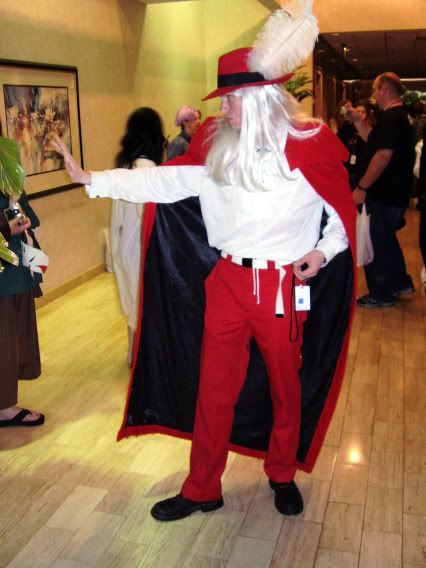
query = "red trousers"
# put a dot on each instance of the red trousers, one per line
(234, 315)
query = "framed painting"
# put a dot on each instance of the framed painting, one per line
(38, 101)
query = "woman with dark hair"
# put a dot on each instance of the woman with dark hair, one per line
(365, 118)
(141, 147)
(143, 139)
(355, 126)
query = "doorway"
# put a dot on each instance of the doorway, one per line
(346, 63)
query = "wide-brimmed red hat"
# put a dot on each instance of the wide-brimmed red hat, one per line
(233, 73)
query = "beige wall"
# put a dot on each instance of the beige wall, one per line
(129, 55)
(228, 24)
(96, 37)
(170, 69)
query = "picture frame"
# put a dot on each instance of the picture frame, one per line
(38, 100)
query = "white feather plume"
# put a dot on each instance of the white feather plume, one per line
(285, 41)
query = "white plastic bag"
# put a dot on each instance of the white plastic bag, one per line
(365, 252)
(32, 255)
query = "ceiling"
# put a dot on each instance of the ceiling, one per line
(366, 54)
(363, 55)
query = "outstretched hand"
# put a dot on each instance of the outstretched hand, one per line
(75, 171)
(308, 265)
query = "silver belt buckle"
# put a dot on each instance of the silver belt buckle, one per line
(260, 263)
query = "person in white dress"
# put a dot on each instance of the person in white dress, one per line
(141, 147)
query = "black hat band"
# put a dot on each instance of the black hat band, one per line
(233, 79)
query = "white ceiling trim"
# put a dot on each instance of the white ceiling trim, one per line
(160, 1)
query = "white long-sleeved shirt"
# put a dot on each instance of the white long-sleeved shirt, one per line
(281, 224)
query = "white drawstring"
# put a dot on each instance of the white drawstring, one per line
(261, 264)
(279, 302)
(256, 284)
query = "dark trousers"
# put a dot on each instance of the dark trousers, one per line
(19, 350)
(232, 317)
(387, 273)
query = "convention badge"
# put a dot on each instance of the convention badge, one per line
(352, 159)
(35, 259)
(302, 298)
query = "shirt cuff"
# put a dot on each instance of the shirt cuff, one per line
(99, 186)
(332, 247)
(328, 252)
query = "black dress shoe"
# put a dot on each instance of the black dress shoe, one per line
(288, 499)
(179, 507)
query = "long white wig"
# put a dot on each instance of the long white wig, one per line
(268, 116)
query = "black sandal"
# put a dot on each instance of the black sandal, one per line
(18, 420)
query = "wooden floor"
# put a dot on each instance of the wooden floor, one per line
(71, 497)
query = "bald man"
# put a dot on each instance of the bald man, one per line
(385, 188)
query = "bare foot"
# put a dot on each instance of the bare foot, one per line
(12, 411)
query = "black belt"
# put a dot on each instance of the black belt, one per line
(247, 262)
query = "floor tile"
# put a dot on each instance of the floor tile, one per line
(383, 510)
(335, 559)
(386, 469)
(381, 550)
(349, 484)
(342, 527)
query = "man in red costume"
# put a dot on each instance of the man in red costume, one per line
(276, 202)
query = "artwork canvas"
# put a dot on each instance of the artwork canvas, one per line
(34, 115)
(38, 101)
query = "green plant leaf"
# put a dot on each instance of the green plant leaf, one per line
(298, 83)
(303, 94)
(6, 254)
(12, 174)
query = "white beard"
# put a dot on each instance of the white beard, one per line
(243, 161)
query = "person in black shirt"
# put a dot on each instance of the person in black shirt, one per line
(385, 187)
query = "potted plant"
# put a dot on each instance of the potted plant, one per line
(297, 85)
(12, 177)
